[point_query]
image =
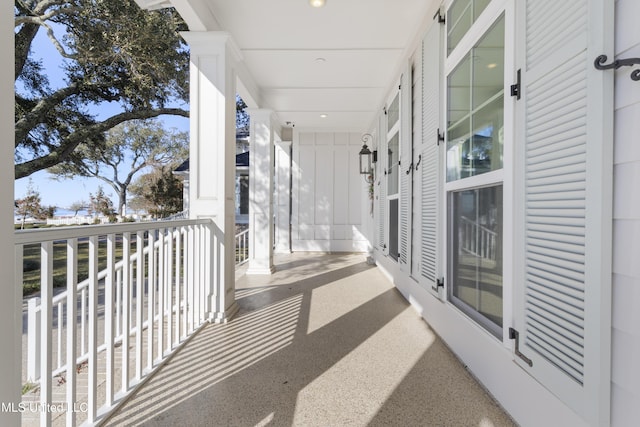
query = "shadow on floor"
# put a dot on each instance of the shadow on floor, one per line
(335, 348)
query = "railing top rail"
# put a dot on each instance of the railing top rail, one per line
(64, 233)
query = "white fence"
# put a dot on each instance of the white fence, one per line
(122, 321)
(77, 220)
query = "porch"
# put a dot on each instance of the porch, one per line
(325, 340)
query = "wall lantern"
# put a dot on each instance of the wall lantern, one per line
(366, 156)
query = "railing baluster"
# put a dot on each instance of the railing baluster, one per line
(191, 273)
(161, 281)
(72, 327)
(151, 298)
(139, 300)
(93, 329)
(83, 318)
(60, 308)
(109, 284)
(169, 288)
(34, 338)
(178, 276)
(206, 309)
(118, 302)
(46, 293)
(196, 278)
(126, 274)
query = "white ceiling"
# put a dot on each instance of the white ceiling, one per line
(362, 43)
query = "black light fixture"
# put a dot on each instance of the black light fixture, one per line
(365, 156)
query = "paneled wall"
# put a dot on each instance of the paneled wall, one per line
(328, 192)
(625, 373)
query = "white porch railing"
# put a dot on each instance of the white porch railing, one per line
(477, 239)
(122, 322)
(242, 247)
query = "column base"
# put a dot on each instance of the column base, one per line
(260, 269)
(225, 316)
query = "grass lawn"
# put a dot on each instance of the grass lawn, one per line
(31, 263)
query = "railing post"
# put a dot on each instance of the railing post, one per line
(46, 293)
(33, 339)
(72, 325)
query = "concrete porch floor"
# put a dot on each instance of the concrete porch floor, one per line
(325, 341)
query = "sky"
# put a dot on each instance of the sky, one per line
(63, 193)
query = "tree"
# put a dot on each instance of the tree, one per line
(128, 149)
(78, 206)
(31, 205)
(101, 204)
(242, 117)
(158, 192)
(111, 52)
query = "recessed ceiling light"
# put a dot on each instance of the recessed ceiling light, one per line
(323, 116)
(492, 65)
(320, 60)
(316, 3)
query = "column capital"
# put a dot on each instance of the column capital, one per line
(207, 42)
(262, 114)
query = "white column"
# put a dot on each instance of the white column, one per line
(10, 317)
(212, 158)
(261, 139)
(283, 197)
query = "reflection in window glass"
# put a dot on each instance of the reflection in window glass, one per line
(475, 244)
(393, 114)
(460, 16)
(392, 167)
(475, 113)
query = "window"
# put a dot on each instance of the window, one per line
(475, 259)
(474, 162)
(393, 172)
(476, 98)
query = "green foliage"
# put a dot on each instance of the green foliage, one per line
(30, 206)
(128, 149)
(111, 52)
(159, 193)
(100, 203)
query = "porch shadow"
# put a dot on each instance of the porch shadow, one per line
(336, 348)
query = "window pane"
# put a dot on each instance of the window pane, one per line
(393, 229)
(392, 167)
(475, 244)
(460, 17)
(488, 65)
(393, 114)
(476, 108)
(459, 20)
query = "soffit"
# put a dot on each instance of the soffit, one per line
(361, 42)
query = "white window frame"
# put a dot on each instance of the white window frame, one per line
(389, 133)
(502, 176)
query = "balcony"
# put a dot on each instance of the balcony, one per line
(326, 340)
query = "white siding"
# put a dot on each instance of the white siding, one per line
(625, 372)
(327, 192)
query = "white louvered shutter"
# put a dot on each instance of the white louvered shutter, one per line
(405, 171)
(565, 127)
(381, 186)
(429, 160)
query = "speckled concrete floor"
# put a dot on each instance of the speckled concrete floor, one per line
(325, 341)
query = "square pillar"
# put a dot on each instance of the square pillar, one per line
(10, 314)
(212, 159)
(283, 197)
(261, 149)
